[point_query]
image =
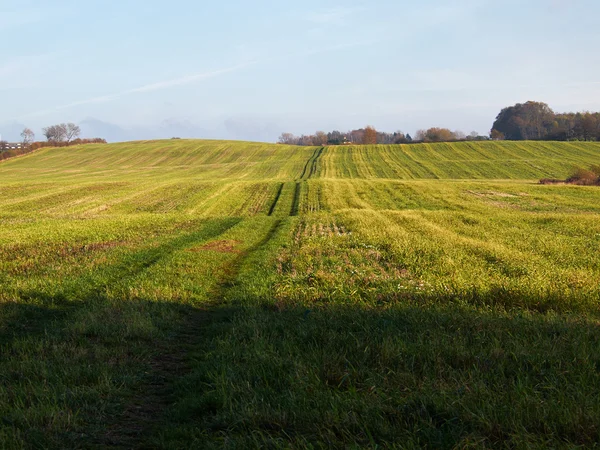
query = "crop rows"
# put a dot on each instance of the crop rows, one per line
(205, 294)
(487, 160)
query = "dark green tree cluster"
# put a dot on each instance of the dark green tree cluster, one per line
(537, 121)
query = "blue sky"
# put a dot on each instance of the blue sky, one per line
(251, 70)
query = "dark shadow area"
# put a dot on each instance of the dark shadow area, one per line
(438, 377)
(95, 373)
(18, 320)
(141, 374)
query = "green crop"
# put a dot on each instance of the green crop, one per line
(211, 294)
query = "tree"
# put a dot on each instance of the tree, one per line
(55, 133)
(588, 126)
(306, 140)
(459, 135)
(288, 138)
(400, 138)
(531, 120)
(335, 138)
(497, 135)
(320, 138)
(71, 131)
(27, 136)
(370, 136)
(356, 136)
(436, 135)
(64, 132)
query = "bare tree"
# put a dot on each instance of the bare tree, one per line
(55, 133)
(288, 138)
(306, 140)
(320, 138)
(72, 131)
(27, 136)
(459, 135)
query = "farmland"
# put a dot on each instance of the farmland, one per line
(212, 294)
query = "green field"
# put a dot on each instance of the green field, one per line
(211, 294)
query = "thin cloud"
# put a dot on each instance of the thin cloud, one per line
(146, 88)
(189, 79)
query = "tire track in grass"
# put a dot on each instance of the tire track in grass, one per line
(296, 200)
(274, 204)
(233, 269)
(308, 164)
(315, 159)
(148, 409)
(310, 169)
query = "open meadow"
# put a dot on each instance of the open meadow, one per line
(213, 294)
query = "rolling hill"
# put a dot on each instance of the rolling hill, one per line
(177, 294)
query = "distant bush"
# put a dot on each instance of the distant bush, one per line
(580, 177)
(36, 145)
(7, 154)
(585, 177)
(551, 181)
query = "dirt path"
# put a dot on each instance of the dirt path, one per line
(146, 409)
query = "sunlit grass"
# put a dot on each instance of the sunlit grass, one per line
(241, 295)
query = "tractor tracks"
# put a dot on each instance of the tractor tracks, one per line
(146, 411)
(310, 169)
(277, 196)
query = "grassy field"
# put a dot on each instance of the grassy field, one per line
(210, 294)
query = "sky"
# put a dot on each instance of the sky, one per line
(142, 69)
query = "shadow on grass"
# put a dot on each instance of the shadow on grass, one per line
(139, 374)
(436, 377)
(93, 373)
(18, 320)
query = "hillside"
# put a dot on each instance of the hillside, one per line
(209, 294)
(218, 160)
(213, 178)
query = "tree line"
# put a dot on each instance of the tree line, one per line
(369, 136)
(537, 121)
(523, 121)
(60, 135)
